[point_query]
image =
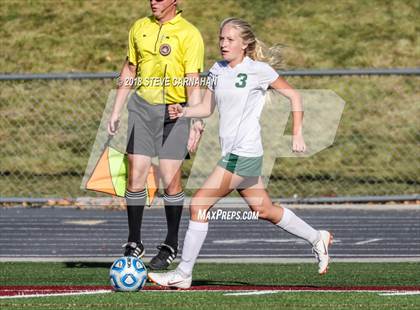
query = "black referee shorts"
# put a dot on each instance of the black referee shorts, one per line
(152, 133)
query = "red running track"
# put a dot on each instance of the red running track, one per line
(51, 290)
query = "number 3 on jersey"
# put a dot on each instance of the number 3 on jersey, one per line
(242, 80)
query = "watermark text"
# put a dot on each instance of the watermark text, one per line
(228, 215)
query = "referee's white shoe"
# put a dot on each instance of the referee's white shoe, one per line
(175, 278)
(320, 249)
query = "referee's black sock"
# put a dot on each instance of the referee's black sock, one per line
(135, 206)
(173, 211)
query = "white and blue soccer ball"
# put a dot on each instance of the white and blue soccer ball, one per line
(128, 274)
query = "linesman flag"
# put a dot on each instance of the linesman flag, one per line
(110, 175)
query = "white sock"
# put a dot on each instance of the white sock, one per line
(298, 227)
(194, 239)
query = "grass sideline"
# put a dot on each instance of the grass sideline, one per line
(76, 35)
(298, 275)
(217, 300)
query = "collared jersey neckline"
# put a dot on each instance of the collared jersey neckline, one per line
(244, 61)
(172, 21)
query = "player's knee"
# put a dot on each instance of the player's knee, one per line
(194, 210)
(135, 189)
(200, 201)
(135, 182)
(197, 211)
(172, 184)
(173, 189)
(135, 186)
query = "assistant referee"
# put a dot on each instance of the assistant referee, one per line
(162, 48)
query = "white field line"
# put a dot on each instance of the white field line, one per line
(84, 222)
(252, 293)
(372, 257)
(263, 252)
(262, 240)
(382, 293)
(240, 204)
(116, 243)
(249, 229)
(368, 241)
(229, 292)
(122, 217)
(58, 294)
(221, 224)
(400, 293)
(308, 255)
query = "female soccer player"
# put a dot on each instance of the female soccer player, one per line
(238, 85)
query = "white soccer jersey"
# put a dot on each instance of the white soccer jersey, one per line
(240, 95)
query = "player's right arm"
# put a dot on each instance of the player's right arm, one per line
(125, 84)
(201, 110)
(127, 79)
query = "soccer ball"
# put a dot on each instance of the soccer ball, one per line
(128, 274)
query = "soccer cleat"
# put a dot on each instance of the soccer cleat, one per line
(320, 249)
(134, 249)
(175, 278)
(164, 258)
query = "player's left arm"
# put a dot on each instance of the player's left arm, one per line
(283, 87)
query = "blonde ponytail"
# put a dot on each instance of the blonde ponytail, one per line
(272, 55)
(256, 49)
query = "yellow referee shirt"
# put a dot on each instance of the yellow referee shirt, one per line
(164, 54)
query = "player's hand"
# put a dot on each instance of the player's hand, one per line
(113, 124)
(298, 144)
(176, 111)
(196, 132)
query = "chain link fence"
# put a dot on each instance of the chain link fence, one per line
(48, 127)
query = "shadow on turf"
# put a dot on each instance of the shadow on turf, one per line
(238, 283)
(87, 265)
(194, 283)
(217, 283)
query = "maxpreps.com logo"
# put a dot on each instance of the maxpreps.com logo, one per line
(227, 215)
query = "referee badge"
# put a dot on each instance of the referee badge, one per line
(165, 49)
